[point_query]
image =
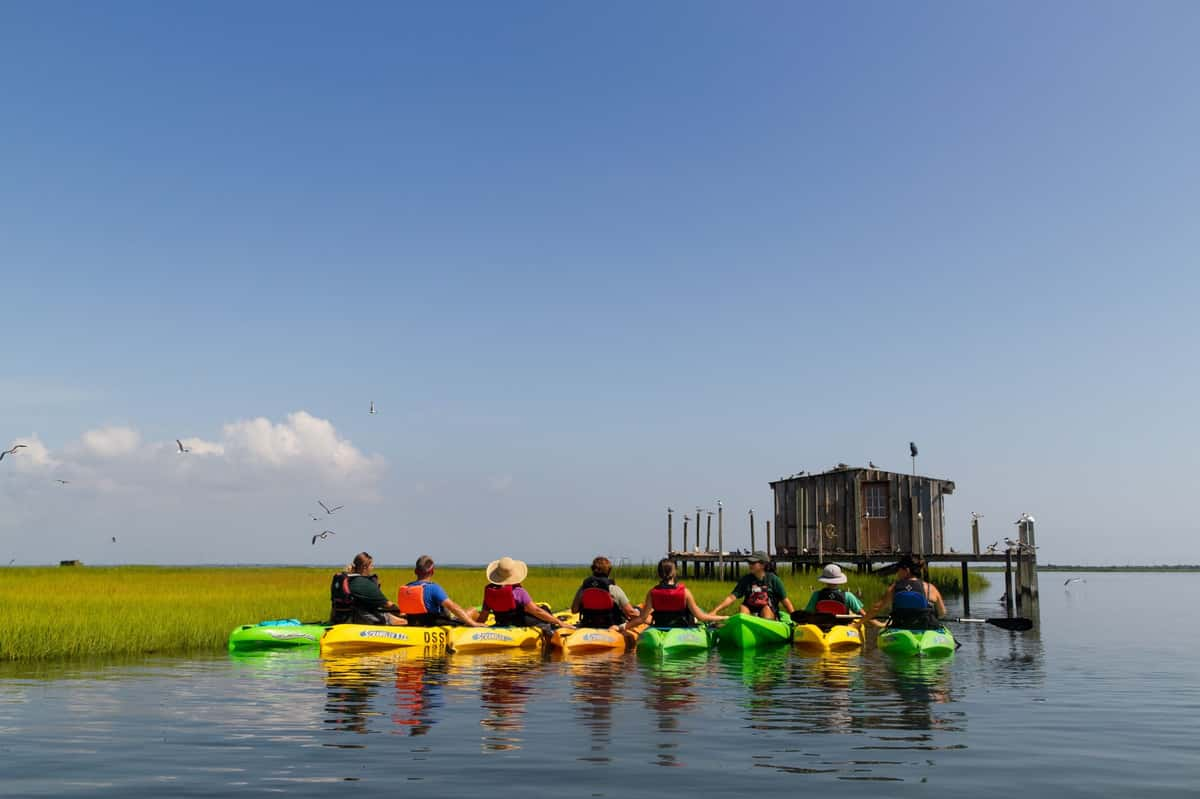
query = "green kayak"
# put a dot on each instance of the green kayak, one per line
(917, 643)
(743, 631)
(275, 634)
(674, 640)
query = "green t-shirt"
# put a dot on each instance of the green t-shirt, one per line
(367, 593)
(852, 602)
(774, 587)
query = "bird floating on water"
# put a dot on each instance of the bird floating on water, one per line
(372, 409)
(322, 535)
(328, 510)
(182, 448)
(1074, 580)
(12, 451)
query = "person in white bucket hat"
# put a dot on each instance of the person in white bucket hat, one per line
(830, 598)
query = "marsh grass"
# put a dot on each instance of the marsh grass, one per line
(87, 612)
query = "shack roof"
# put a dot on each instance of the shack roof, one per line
(875, 474)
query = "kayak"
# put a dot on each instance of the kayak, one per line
(490, 639)
(275, 634)
(840, 637)
(587, 640)
(743, 631)
(350, 638)
(917, 643)
(675, 640)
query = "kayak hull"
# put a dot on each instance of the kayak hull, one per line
(492, 639)
(839, 638)
(252, 637)
(343, 639)
(584, 641)
(668, 641)
(917, 643)
(743, 631)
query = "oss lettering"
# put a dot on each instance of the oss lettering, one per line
(435, 637)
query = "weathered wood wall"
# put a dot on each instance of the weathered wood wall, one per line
(824, 512)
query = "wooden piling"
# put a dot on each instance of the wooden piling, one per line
(753, 547)
(1008, 583)
(768, 538)
(721, 536)
(708, 533)
(975, 535)
(670, 535)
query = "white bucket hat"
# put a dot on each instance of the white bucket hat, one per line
(832, 575)
(507, 571)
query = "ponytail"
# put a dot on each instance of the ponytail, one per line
(666, 570)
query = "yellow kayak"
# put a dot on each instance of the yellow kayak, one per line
(585, 640)
(839, 638)
(343, 639)
(491, 639)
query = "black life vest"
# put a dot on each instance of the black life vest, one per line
(499, 599)
(760, 596)
(911, 608)
(831, 600)
(670, 606)
(596, 605)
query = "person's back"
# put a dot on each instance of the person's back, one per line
(830, 598)
(356, 597)
(911, 608)
(599, 601)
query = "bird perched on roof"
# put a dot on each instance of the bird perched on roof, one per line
(182, 448)
(12, 451)
(871, 465)
(322, 535)
(912, 449)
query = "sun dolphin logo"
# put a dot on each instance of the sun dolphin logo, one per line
(595, 637)
(383, 634)
(490, 637)
(279, 635)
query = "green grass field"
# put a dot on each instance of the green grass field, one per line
(86, 612)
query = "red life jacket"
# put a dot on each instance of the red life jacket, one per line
(759, 597)
(500, 601)
(831, 600)
(596, 605)
(670, 606)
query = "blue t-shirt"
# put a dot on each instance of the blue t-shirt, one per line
(434, 595)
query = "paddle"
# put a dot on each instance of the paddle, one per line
(1004, 623)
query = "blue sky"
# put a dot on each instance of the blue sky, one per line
(590, 262)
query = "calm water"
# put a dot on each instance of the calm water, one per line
(1103, 700)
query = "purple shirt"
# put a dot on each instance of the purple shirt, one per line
(520, 596)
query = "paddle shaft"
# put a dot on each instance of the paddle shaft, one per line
(1002, 622)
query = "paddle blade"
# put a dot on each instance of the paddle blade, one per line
(1019, 625)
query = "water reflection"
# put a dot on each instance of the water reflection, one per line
(670, 689)
(597, 681)
(505, 683)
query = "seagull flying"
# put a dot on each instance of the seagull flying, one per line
(182, 448)
(328, 510)
(372, 410)
(314, 517)
(322, 535)
(114, 538)
(12, 451)
(1074, 580)
(11, 562)
(62, 482)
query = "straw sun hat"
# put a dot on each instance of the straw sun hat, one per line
(832, 575)
(507, 571)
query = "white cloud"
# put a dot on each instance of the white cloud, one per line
(34, 457)
(302, 439)
(500, 483)
(111, 442)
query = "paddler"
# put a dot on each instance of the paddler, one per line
(424, 603)
(600, 602)
(511, 604)
(670, 603)
(916, 604)
(357, 597)
(832, 599)
(760, 591)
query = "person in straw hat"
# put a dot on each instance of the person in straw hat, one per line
(831, 598)
(511, 604)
